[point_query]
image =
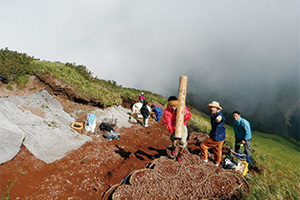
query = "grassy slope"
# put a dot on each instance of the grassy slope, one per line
(279, 163)
(107, 91)
(277, 158)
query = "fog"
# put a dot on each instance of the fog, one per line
(244, 54)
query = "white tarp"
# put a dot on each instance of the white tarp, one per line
(47, 135)
(114, 113)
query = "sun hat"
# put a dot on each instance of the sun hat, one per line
(173, 101)
(214, 104)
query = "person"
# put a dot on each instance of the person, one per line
(158, 112)
(242, 132)
(217, 134)
(141, 97)
(145, 113)
(170, 123)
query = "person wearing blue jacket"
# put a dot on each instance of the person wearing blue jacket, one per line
(242, 131)
(158, 112)
(217, 134)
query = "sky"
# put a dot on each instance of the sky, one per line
(221, 46)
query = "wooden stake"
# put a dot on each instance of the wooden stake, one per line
(181, 107)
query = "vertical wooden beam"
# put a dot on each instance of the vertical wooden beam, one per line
(181, 107)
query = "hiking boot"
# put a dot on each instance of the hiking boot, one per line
(179, 157)
(173, 150)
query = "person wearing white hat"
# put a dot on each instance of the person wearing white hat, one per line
(141, 97)
(217, 134)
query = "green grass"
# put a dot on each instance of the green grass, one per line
(9, 87)
(279, 160)
(8, 187)
(200, 120)
(22, 81)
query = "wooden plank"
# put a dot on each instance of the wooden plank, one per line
(181, 107)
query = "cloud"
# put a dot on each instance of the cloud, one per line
(223, 46)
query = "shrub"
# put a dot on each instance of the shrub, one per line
(22, 81)
(14, 64)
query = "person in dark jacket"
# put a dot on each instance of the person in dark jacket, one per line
(145, 113)
(217, 134)
(158, 112)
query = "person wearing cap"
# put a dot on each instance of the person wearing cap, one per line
(170, 123)
(217, 134)
(158, 112)
(242, 131)
(141, 97)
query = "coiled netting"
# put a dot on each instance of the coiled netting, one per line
(166, 178)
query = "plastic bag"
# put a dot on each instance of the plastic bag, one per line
(111, 136)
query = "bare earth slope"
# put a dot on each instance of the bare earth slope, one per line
(90, 171)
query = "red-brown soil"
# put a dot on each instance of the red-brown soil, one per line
(99, 165)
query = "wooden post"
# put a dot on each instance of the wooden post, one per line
(181, 107)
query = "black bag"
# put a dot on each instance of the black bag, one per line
(105, 127)
(229, 163)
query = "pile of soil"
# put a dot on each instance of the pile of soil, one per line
(96, 170)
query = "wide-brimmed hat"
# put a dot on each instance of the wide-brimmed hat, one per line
(214, 104)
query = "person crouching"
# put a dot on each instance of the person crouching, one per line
(158, 112)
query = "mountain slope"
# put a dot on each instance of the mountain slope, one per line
(276, 160)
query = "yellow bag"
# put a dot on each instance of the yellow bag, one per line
(242, 165)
